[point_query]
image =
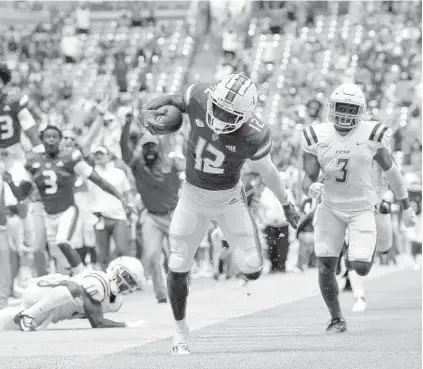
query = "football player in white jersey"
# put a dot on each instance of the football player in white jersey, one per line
(384, 236)
(344, 149)
(88, 295)
(224, 134)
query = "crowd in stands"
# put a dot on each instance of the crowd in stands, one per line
(73, 67)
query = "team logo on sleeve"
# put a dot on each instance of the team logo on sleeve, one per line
(7, 108)
(215, 137)
(199, 123)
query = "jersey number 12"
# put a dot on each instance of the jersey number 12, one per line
(207, 165)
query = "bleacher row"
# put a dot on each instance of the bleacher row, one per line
(334, 38)
(168, 64)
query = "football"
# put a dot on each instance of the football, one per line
(172, 121)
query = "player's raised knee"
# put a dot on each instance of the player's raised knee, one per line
(179, 260)
(362, 268)
(254, 275)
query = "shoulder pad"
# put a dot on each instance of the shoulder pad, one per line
(32, 159)
(380, 134)
(261, 142)
(197, 91)
(97, 286)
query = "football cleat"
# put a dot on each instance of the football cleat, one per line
(180, 344)
(360, 305)
(25, 322)
(337, 325)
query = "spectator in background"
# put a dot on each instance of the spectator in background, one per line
(70, 46)
(305, 234)
(106, 132)
(83, 18)
(121, 71)
(113, 218)
(276, 229)
(158, 183)
(6, 281)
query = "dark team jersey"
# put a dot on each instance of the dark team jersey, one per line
(10, 126)
(55, 179)
(415, 198)
(214, 161)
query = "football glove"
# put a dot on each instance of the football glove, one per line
(315, 190)
(292, 214)
(409, 217)
(135, 323)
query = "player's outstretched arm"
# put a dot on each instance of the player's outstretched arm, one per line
(397, 183)
(94, 312)
(105, 186)
(175, 100)
(310, 185)
(127, 154)
(270, 175)
(22, 191)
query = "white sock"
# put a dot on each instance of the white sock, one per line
(181, 325)
(357, 284)
(56, 297)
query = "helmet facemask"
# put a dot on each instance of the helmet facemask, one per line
(345, 116)
(224, 120)
(122, 280)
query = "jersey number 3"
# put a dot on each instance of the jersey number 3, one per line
(50, 181)
(207, 165)
(6, 127)
(342, 175)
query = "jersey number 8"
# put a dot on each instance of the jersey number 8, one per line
(207, 165)
(50, 181)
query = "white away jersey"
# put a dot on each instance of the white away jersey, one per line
(94, 283)
(347, 162)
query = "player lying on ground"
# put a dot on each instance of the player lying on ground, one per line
(54, 173)
(88, 295)
(224, 134)
(344, 150)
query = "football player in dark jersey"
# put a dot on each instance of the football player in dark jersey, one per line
(15, 118)
(224, 134)
(54, 173)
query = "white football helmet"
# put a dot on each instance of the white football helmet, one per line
(231, 103)
(346, 106)
(126, 275)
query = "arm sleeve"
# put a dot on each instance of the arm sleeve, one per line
(26, 119)
(188, 93)
(309, 140)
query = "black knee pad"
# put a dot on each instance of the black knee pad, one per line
(327, 265)
(253, 276)
(362, 268)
